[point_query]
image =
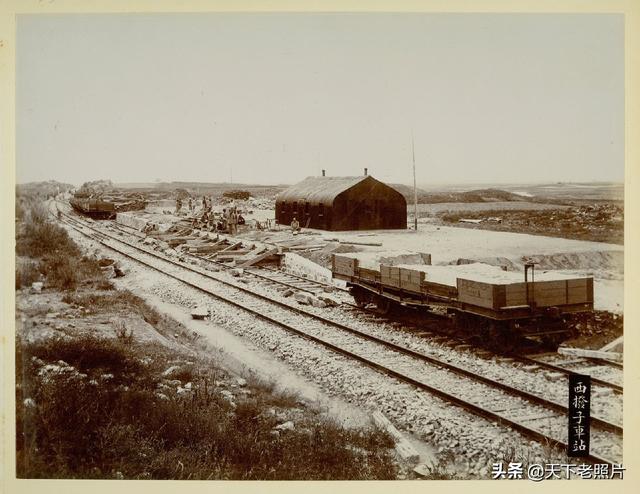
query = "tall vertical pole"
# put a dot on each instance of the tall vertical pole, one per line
(415, 190)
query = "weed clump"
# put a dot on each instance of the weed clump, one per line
(92, 408)
(55, 254)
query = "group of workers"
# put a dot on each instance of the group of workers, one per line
(227, 221)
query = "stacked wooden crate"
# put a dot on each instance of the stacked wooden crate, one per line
(549, 293)
(369, 266)
(343, 266)
(414, 279)
(411, 279)
(390, 276)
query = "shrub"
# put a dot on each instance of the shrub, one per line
(105, 285)
(26, 274)
(123, 334)
(86, 353)
(39, 238)
(61, 272)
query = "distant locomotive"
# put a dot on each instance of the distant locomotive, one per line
(483, 299)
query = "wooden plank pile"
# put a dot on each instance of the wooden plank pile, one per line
(183, 238)
(298, 244)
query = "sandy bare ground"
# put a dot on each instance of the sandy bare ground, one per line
(448, 244)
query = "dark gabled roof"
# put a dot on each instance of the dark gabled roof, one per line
(315, 190)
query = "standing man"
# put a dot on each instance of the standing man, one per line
(225, 219)
(295, 225)
(233, 222)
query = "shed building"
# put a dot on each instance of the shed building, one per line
(342, 203)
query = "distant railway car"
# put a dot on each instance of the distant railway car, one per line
(93, 207)
(482, 298)
(105, 206)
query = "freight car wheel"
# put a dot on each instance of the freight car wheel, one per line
(553, 341)
(464, 322)
(360, 296)
(383, 305)
(500, 336)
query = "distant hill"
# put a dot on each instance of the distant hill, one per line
(42, 189)
(479, 195)
(217, 189)
(407, 191)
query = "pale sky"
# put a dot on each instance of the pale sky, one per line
(273, 98)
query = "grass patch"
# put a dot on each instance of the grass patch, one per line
(85, 354)
(117, 300)
(122, 427)
(38, 237)
(27, 272)
(56, 255)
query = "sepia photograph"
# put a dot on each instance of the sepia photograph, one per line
(319, 246)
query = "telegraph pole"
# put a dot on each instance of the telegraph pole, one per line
(415, 190)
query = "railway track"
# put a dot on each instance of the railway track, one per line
(606, 374)
(595, 368)
(531, 415)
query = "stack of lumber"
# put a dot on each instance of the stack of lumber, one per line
(260, 255)
(215, 248)
(298, 244)
(183, 237)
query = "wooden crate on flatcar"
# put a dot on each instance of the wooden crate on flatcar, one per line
(344, 266)
(411, 279)
(439, 290)
(390, 276)
(549, 293)
(487, 295)
(579, 290)
(368, 274)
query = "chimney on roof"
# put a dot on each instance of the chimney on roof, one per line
(365, 172)
(323, 173)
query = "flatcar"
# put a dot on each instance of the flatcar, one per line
(481, 298)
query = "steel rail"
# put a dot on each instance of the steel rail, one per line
(552, 367)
